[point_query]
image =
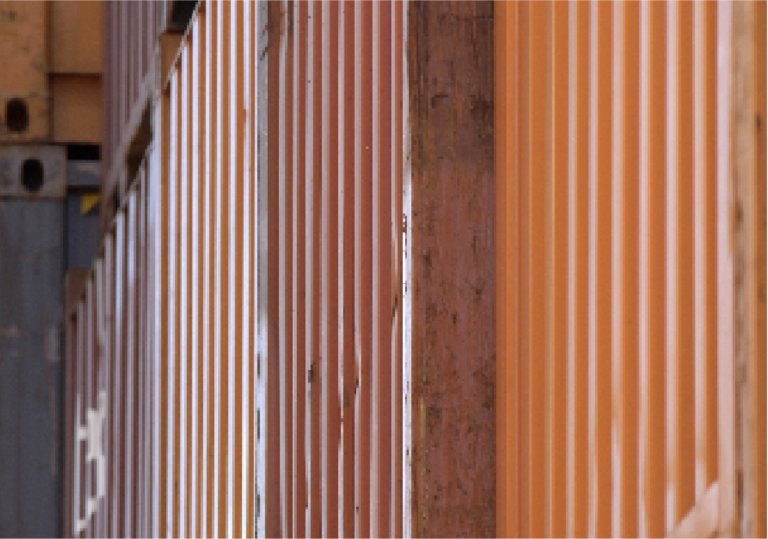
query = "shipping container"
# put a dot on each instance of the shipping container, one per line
(49, 132)
(241, 358)
(427, 269)
(630, 256)
(130, 34)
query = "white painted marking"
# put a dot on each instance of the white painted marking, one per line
(91, 433)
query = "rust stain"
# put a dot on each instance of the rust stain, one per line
(451, 92)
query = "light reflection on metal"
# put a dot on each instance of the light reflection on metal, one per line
(183, 320)
(614, 148)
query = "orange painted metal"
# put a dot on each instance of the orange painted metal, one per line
(24, 37)
(211, 466)
(76, 57)
(610, 268)
(747, 245)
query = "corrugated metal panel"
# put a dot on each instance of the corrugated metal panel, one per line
(108, 489)
(615, 269)
(130, 32)
(334, 285)
(207, 151)
(242, 360)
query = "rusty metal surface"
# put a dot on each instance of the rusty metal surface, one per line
(32, 292)
(616, 373)
(275, 300)
(453, 365)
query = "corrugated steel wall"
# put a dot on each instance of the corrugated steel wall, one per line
(109, 372)
(616, 369)
(208, 421)
(334, 279)
(200, 398)
(130, 29)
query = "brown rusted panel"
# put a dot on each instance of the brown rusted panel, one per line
(108, 254)
(348, 195)
(451, 93)
(143, 362)
(332, 146)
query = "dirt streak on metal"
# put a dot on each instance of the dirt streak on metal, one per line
(451, 89)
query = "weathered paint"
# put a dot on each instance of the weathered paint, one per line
(303, 369)
(336, 163)
(452, 281)
(75, 42)
(24, 39)
(618, 283)
(53, 162)
(111, 356)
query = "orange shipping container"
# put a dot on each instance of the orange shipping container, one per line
(628, 297)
